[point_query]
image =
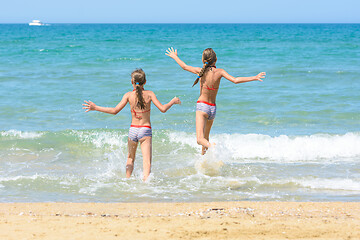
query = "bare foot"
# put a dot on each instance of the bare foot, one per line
(204, 149)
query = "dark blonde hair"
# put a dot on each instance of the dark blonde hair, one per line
(209, 57)
(139, 78)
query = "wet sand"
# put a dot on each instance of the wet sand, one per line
(211, 220)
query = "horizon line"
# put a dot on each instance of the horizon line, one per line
(185, 23)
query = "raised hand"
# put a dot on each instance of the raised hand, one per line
(176, 100)
(260, 76)
(171, 52)
(89, 105)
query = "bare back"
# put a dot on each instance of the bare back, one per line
(209, 85)
(140, 116)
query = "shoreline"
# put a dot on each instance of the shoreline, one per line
(197, 220)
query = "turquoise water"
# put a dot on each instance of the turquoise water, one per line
(293, 137)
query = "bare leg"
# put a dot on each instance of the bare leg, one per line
(146, 149)
(131, 157)
(201, 120)
(208, 126)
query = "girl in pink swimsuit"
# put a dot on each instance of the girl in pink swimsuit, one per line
(209, 77)
(140, 129)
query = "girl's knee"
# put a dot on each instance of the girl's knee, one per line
(131, 155)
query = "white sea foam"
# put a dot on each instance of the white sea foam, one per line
(307, 182)
(281, 148)
(100, 139)
(331, 184)
(21, 134)
(209, 164)
(181, 173)
(183, 138)
(92, 188)
(196, 182)
(21, 177)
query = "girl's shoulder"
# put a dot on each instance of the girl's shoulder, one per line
(218, 69)
(129, 93)
(148, 92)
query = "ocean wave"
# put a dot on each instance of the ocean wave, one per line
(21, 134)
(331, 184)
(282, 148)
(317, 183)
(198, 181)
(21, 177)
(229, 147)
(101, 138)
(118, 59)
(190, 187)
(193, 183)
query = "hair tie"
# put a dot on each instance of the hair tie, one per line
(198, 77)
(137, 83)
(206, 63)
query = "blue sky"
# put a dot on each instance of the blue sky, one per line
(186, 11)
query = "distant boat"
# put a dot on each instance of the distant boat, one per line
(36, 23)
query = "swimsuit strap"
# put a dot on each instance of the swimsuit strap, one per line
(210, 88)
(139, 126)
(139, 117)
(142, 89)
(211, 104)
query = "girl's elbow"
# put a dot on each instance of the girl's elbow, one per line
(185, 67)
(236, 81)
(164, 109)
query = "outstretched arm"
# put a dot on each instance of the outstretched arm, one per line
(164, 108)
(173, 54)
(90, 106)
(237, 80)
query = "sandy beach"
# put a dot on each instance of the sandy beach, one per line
(213, 220)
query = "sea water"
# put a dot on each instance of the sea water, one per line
(293, 137)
